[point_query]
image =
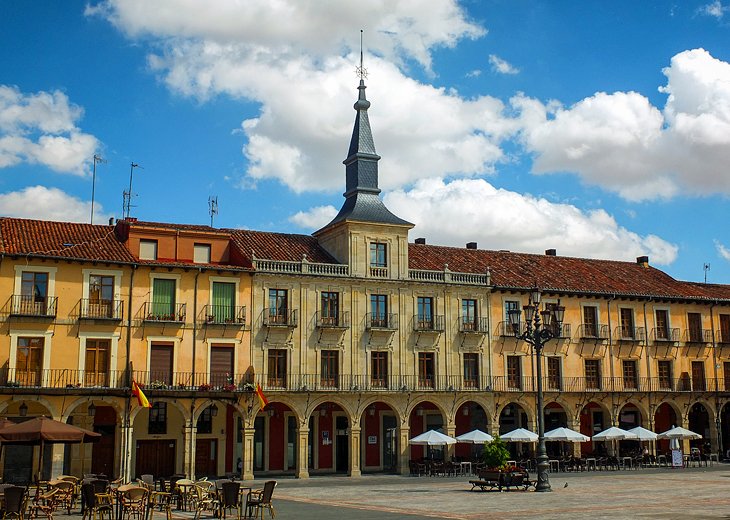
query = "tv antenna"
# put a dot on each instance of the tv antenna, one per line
(212, 208)
(127, 195)
(97, 159)
(706, 267)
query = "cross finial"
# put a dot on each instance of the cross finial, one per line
(361, 71)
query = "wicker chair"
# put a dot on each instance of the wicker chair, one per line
(97, 506)
(134, 501)
(15, 502)
(260, 500)
(230, 498)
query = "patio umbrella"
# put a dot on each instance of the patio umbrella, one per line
(643, 434)
(40, 431)
(519, 435)
(614, 434)
(565, 435)
(475, 437)
(679, 433)
(432, 438)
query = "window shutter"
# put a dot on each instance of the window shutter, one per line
(163, 296)
(224, 300)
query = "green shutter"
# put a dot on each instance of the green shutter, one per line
(163, 297)
(224, 301)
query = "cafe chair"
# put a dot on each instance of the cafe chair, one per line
(260, 500)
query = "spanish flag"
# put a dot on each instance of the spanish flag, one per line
(262, 398)
(139, 394)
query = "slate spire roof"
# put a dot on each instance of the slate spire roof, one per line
(362, 201)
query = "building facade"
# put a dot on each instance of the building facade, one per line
(358, 338)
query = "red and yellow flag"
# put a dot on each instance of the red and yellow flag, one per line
(262, 398)
(139, 394)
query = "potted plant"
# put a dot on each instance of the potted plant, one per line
(229, 387)
(494, 456)
(205, 387)
(248, 387)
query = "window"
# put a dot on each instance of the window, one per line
(553, 372)
(29, 361)
(627, 323)
(101, 296)
(157, 424)
(379, 310)
(330, 373)
(726, 375)
(163, 299)
(379, 369)
(694, 323)
(161, 360)
(590, 321)
(593, 373)
(724, 328)
(511, 306)
(278, 306)
(201, 253)
(554, 327)
(631, 380)
(425, 313)
(664, 370)
(330, 308)
(662, 324)
(205, 421)
(223, 307)
(426, 369)
(277, 368)
(221, 365)
(97, 362)
(698, 376)
(33, 294)
(378, 256)
(469, 315)
(514, 372)
(148, 249)
(471, 370)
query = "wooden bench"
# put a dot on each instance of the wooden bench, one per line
(490, 480)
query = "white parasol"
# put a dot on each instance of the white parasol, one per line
(474, 437)
(565, 435)
(432, 438)
(519, 435)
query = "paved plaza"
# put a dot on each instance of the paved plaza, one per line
(691, 493)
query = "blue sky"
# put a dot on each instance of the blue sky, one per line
(601, 129)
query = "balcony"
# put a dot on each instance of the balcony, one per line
(473, 325)
(69, 379)
(163, 313)
(30, 306)
(506, 330)
(273, 317)
(664, 335)
(340, 320)
(593, 331)
(630, 334)
(378, 272)
(381, 321)
(112, 310)
(425, 323)
(224, 315)
(697, 336)
(723, 337)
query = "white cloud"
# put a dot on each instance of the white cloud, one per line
(501, 66)
(314, 218)
(42, 203)
(715, 9)
(722, 250)
(454, 213)
(40, 128)
(623, 143)
(473, 73)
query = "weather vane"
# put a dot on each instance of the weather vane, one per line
(361, 71)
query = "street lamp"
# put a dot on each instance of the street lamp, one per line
(541, 327)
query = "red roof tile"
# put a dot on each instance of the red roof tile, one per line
(61, 240)
(278, 246)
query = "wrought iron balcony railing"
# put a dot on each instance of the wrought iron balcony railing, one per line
(224, 315)
(507, 330)
(664, 335)
(273, 317)
(473, 325)
(383, 321)
(426, 323)
(636, 334)
(723, 336)
(101, 309)
(593, 331)
(30, 305)
(697, 336)
(340, 320)
(163, 312)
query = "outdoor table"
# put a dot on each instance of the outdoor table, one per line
(713, 457)
(185, 493)
(627, 461)
(661, 460)
(465, 467)
(554, 465)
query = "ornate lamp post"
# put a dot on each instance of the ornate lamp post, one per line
(541, 327)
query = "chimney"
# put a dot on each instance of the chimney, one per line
(471, 245)
(111, 221)
(551, 252)
(421, 241)
(643, 261)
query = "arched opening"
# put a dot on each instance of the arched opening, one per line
(101, 457)
(555, 417)
(470, 416)
(20, 463)
(511, 417)
(329, 441)
(426, 416)
(629, 417)
(725, 429)
(275, 440)
(699, 422)
(593, 420)
(664, 418)
(158, 443)
(379, 430)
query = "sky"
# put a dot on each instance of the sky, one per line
(600, 129)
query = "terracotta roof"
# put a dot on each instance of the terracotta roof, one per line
(61, 240)
(277, 246)
(560, 274)
(180, 227)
